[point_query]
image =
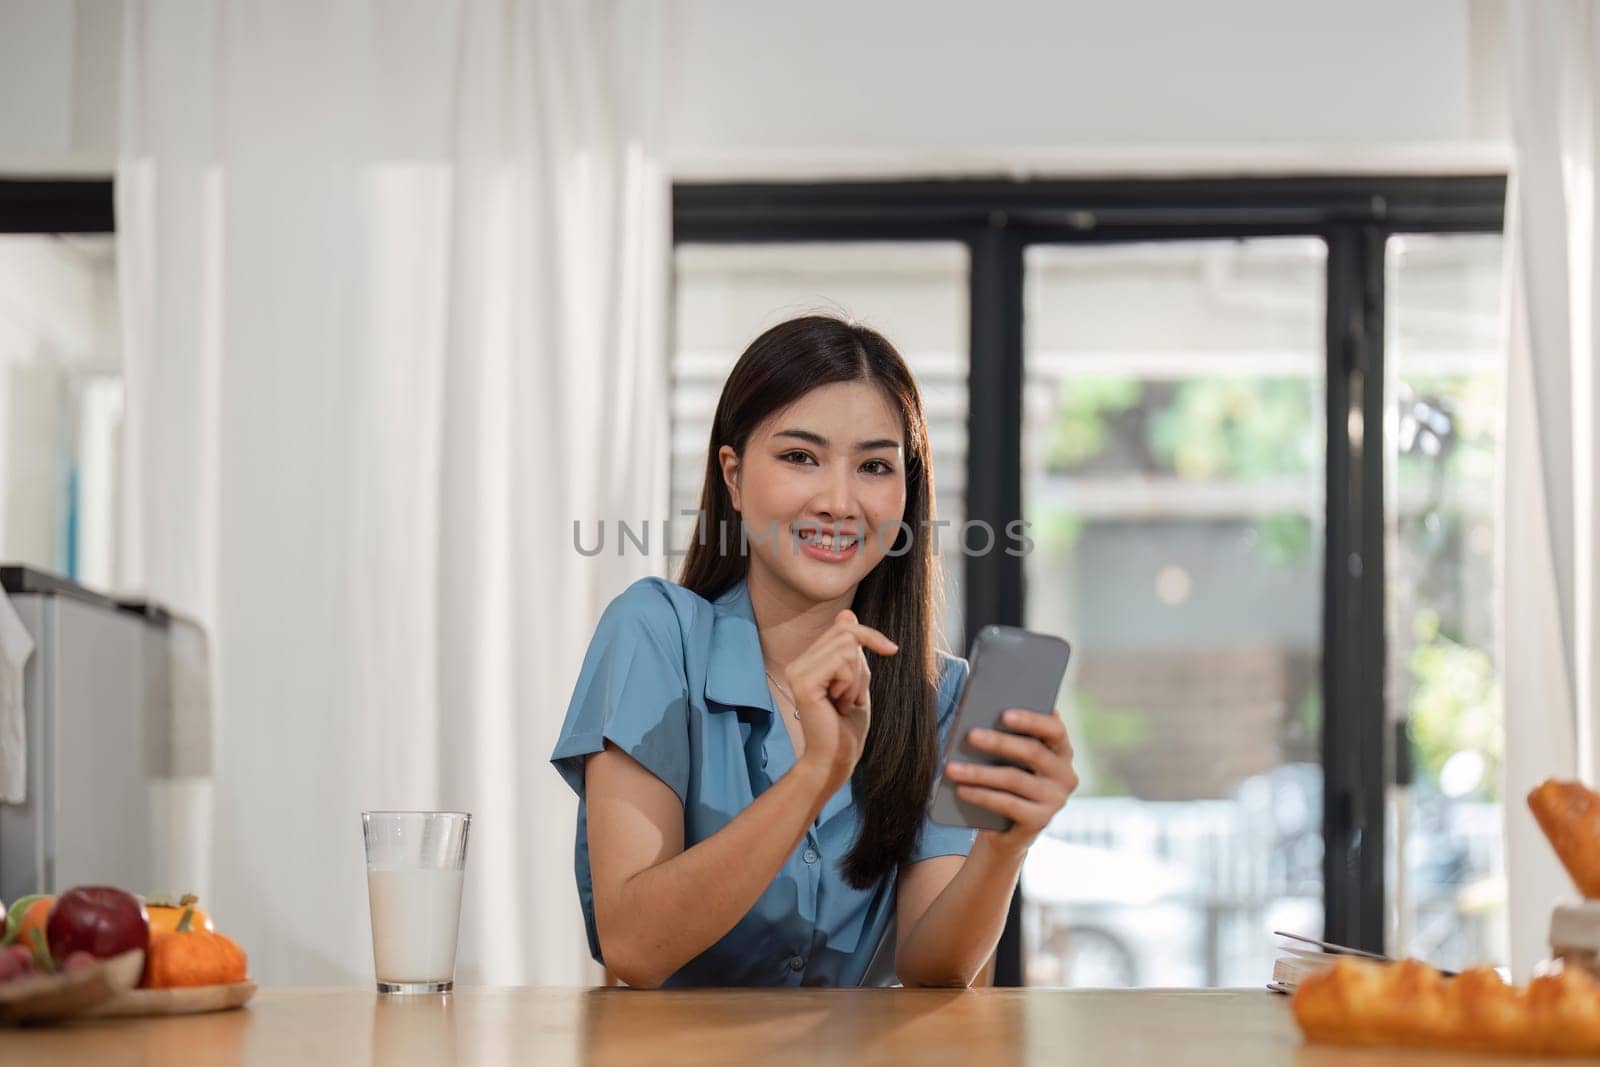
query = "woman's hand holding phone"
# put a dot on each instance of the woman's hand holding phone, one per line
(832, 689)
(1029, 795)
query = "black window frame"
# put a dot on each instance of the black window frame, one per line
(57, 205)
(997, 220)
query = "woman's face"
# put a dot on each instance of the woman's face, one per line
(831, 466)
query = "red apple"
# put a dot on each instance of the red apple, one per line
(99, 920)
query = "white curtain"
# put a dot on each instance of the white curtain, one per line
(1552, 543)
(393, 277)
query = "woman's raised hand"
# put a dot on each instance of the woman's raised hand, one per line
(832, 689)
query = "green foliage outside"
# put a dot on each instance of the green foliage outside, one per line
(1454, 704)
(1080, 430)
(1247, 429)
(1212, 429)
(1237, 428)
(1099, 732)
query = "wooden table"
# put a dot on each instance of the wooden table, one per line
(1242, 1028)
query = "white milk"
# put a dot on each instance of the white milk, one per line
(414, 916)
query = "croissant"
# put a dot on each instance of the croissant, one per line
(1569, 815)
(1358, 1002)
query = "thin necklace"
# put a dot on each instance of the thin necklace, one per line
(786, 696)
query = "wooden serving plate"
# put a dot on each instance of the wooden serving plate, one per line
(192, 1000)
(45, 997)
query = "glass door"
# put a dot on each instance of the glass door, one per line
(1444, 354)
(1174, 479)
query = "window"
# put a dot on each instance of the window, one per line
(61, 399)
(1174, 482)
(1445, 386)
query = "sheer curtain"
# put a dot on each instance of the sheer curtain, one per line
(1552, 543)
(394, 288)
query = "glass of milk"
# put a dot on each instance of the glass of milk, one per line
(415, 863)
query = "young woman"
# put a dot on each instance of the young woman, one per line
(754, 747)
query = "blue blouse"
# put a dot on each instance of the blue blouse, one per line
(678, 684)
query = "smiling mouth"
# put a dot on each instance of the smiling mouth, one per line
(820, 543)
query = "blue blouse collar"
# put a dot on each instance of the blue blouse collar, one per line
(735, 676)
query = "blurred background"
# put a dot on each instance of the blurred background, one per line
(322, 325)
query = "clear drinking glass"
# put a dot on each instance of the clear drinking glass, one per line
(415, 864)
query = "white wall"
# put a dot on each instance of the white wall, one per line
(949, 84)
(59, 86)
(771, 87)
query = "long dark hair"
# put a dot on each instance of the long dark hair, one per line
(895, 774)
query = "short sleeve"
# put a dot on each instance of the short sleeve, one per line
(937, 840)
(631, 691)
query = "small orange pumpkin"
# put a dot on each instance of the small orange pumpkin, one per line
(164, 917)
(189, 957)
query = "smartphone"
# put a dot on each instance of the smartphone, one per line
(1008, 668)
